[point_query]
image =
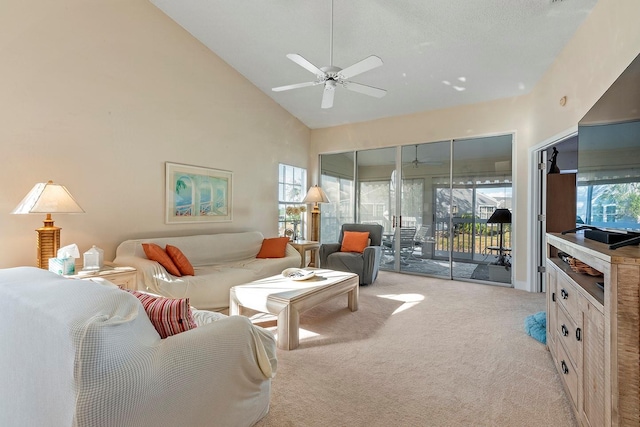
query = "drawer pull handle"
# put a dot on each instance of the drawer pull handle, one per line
(578, 334)
(565, 331)
(565, 369)
(564, 294)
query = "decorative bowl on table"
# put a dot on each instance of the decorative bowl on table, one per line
(298, 273)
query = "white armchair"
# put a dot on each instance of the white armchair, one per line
(79, 353)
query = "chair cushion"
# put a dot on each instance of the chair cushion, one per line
(354, 241)
(180, 260)
(156, 253)
(275, 247)
(168, 316)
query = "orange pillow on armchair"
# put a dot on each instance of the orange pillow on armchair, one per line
(354, 241)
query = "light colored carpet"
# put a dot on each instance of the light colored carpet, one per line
(419, 352)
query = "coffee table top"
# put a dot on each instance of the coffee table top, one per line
(257, 295)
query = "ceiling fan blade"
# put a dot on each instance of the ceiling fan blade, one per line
(367, 90)
(327, 95)
(294, 86)
(360, 67)
(305, 64)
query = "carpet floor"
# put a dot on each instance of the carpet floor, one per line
(419, 352)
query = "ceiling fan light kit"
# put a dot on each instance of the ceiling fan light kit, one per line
(332, 76)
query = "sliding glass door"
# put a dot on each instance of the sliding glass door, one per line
(481, 184)
(337, 180)
(424, 168)
(435, 202)
(377, 202)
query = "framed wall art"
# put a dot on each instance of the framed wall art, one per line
(197, 194)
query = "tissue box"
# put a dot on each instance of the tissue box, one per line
(63, 266)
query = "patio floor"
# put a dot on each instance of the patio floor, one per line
(472, 271)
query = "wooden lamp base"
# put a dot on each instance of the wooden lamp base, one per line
(48, 242)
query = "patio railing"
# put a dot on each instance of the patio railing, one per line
(470, 238)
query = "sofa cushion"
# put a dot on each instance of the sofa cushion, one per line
(156, 253)
(354, 241)
(168, 316)
(273, 248)
(180, 260)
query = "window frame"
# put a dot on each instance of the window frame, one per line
(292, 187)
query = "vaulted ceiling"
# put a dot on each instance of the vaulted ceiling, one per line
(436, 53)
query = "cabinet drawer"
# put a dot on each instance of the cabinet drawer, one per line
(568, 372)
(566, 333)
(567, 295)
(126, 280)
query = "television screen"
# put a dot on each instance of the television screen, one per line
(608, 193)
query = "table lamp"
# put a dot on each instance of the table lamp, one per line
(47, 198)
(500, 216)
(315, 195)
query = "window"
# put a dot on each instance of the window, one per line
(485, 211)
(292, 187)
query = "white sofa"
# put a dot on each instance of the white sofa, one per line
(220, 261)
(79, 353)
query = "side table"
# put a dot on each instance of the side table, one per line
(303, 246)
(117, 274)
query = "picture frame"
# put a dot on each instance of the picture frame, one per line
(197, 194)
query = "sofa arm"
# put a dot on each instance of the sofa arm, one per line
(327, 249)
(216, 371)
(293, 253)
(218, 329)
(148, 272)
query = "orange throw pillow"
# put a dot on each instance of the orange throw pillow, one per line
(156, 253)
(275, 247)
(180, 260)
(354, 241)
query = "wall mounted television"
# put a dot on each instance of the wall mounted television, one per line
(608, 178)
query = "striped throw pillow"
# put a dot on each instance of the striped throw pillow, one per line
(168, 316)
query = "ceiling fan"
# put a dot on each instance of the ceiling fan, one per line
(416, 163)
(332, 76)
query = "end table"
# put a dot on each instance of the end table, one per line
(303, 246)
(117, 274)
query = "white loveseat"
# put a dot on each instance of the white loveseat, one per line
(80, 353)
(220, 261)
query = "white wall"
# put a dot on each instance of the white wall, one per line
(601, 49)
(98, 95)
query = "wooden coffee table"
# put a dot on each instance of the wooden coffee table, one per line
(288, 298)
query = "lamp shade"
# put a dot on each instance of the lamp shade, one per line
(315, 195)
(500, 216)
(48, 198)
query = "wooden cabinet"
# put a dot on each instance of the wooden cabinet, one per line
(560, 212)
(593, 361)
(576, 325)
(593, 334)
(561, 202)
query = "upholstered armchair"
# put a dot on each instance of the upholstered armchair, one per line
(365, 264)
(80, 353)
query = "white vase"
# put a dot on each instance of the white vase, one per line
(295, 230)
